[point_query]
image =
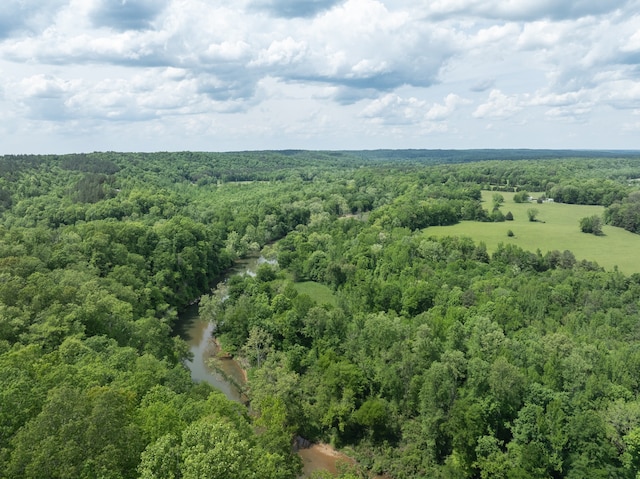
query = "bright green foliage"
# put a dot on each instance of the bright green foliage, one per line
(521, 197)
(591, 224)
(625, 213)
(214, 448)
(430, 357)
(78, 434)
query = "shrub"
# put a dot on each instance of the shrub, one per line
(591, 224)
(521, 197)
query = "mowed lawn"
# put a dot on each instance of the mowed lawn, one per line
(557, 228)
(320, 293)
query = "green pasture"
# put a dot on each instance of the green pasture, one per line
(320, 293)
(557, 228)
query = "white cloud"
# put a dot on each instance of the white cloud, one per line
(227, 52)
(543, 34)
(524, 10)
(282, 52)
(367, 70)
(126, 14)
(26, 16)
(439, 111)
(294, 8)
(498, 106)
(495, 34)
(622, 94)
(392, 109)
(44, 86)
(559, 99)
(362, 44)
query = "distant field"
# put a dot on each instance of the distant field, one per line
(557, 228)
(320, 293)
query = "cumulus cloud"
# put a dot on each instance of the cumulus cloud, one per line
(498, 106)
(621, 94)
(294, 8)
(567, 106)
(44, 97)
(392, 109)
(524, 10)
(430, 66)
(126, 14)
(145, 96)
(360, 46)
(442, 111)
(363, 47)
(26, 16)
(281, 53)
(543, 34)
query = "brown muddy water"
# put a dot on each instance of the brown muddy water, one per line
(198, 333)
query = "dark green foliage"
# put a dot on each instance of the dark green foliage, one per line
(89, 164)
(589, 192)
(591, 224)
(521, 197)
(497, 216)
(625, 214)
(92, 188)
(5, 199)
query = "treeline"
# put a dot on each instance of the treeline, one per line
(590, 192)
(432, 206)
(625, 214)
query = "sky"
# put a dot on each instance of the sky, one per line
(219, 75)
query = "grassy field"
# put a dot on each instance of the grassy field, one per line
(319, 292)
(557, 228)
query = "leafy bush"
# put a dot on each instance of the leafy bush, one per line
(521, 197)
(591, 224)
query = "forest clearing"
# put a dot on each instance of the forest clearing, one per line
(557, 228)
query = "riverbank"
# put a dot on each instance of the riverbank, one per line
(319, 457)
(229, 368)
(220, 369)
(315, 456)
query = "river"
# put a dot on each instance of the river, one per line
(198, 333)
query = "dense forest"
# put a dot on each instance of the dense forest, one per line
(435, 358)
